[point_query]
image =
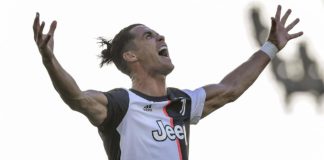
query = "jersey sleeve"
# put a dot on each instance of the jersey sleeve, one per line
(117, 107)
(198, 97)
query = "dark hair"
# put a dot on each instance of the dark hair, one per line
(116, 47)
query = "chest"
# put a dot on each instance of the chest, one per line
(160, 120)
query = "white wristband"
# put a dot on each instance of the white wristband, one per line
(270, 49)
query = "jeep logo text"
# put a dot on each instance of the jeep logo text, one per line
(166, 131)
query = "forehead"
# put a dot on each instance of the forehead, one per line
(141, 30)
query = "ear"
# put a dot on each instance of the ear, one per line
(129, 56)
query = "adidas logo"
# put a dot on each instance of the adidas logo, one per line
(147, 108)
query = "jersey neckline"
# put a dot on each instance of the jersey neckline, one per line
(148, 97)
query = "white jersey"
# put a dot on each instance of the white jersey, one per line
(142, 127)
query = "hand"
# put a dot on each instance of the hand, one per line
(45, 42)
(279, 35)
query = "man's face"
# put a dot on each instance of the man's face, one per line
(151, 51)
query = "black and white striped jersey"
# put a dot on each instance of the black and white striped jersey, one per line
(142, 127)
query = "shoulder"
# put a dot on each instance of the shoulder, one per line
(118, 103)
(116, 94)
(187, 92)
(116, 91)
(118, 97)
(171, 91)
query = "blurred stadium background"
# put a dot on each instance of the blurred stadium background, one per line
(279, 117)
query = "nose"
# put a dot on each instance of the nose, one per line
(161, 38)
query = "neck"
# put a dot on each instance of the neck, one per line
(152, 86)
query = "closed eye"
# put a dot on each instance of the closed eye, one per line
(148, 35)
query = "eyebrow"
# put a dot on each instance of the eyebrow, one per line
(150, 32)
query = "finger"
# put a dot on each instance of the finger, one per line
(36, 25)
(292, 24)
(278, 13)
(295, 35)
(40, 32)
(285, 17)
(273, 25)
(45, 42)
(52, 28)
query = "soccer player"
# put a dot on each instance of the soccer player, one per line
(151, 121)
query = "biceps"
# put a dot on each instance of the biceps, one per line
(93, 106)
(95, 113)
(217, 95)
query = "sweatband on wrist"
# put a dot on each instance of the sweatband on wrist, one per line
(270, 49)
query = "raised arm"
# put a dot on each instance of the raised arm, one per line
(240, 79)
(91, 103)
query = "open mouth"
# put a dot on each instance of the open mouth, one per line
(163, 51)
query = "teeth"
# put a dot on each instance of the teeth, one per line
(163, 48)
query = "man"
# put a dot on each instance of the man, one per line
(150, 120)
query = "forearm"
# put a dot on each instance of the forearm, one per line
(62, 81)
(240, 79)
(90, 103)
